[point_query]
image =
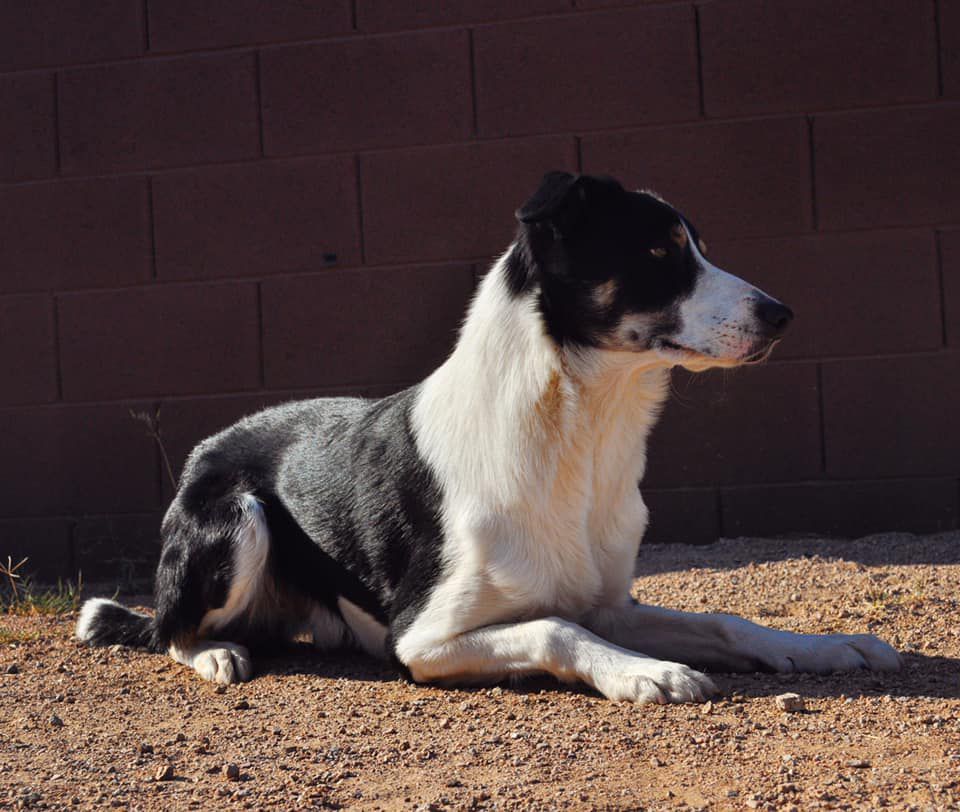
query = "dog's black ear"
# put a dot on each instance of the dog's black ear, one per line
(561, 199)
(548, 199)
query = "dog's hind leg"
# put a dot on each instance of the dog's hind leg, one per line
(215, 660)
(213, 587)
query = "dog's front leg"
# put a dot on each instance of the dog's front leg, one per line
(720, 642)
(557, 647)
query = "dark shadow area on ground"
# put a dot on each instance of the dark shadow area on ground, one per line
(922, 676)
(883, 549)
(302, 658)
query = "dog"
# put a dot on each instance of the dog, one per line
(484, 523)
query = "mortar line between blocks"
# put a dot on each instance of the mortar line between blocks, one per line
(938, 50)
(358, 168)
(262, 376)
(146, 26)
(699, 46)
(938, 253)
(57, 161)
(475, 118)
(822, 415)
(151, 225)
(58, 364)
(814, 213)
(258, 96)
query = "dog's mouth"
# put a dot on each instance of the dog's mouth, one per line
(683, 352)
(669, 347)
(672, 345)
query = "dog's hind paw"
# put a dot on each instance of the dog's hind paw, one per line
(224, 663)
(656, 681)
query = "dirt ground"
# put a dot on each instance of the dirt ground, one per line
(99, 728)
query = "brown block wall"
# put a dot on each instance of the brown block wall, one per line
(208, 208)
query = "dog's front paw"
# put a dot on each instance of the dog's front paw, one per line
(645, 680)
(824, 654)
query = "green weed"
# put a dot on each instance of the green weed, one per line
(19, 596)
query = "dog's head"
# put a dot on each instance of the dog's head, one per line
(625, 271)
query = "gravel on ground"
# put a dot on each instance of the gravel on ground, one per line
(86, 728)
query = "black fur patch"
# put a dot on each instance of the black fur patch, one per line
(350, 507)
(369, 500)
(579, 233)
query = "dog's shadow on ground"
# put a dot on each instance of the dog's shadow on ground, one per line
(922, 676)
(303, 659)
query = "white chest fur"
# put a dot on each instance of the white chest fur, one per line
(538, 453)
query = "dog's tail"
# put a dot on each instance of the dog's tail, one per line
(104, 622)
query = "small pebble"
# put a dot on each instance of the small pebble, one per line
(56, 721)
(164, 773)
(231, 772)
(791, 703)
(242, 705)
(13, 668)
(858, 763)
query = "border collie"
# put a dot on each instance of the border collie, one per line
(484, 523)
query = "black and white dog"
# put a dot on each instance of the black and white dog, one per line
(485, 522)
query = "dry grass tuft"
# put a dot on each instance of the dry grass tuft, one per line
(18, 596)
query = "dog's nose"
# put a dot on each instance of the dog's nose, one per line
(773, 316)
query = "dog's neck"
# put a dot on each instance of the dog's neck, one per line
(510, 410)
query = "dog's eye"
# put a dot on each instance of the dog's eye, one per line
(659, 253)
